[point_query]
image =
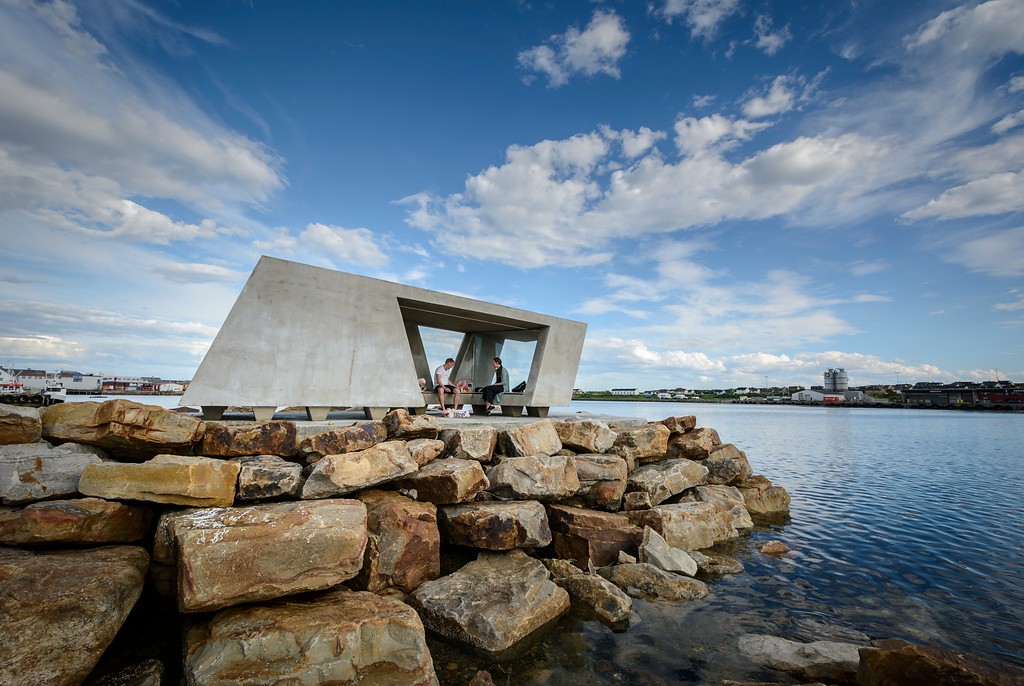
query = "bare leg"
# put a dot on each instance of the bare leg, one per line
(440, 396)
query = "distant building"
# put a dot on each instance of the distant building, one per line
(837, 381)
(625, 391)
(963, 394)
(818, 397)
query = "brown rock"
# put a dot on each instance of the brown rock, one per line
(727, 500)
(145, 673)
(476, 443)
(592, 536)
(642, 445)
(496, 525)
(342, 474)
(693, 445)
(171, 479)
(404, 546)
(84, 520)
(235, 439)
(680, 425)
(425, 450)
(19, 424)
(535, 477)
(37, 471)
(689, 526)
(898, 663)
(586, 436)
(761, 497)
(560, 569)
(445, 482)
(637, 500)
(347, 439)
(493, 604)
(228, 556)
(402, 425)
(596, 597)
(712, 564)
(536, 438)
(262, 477)
(127, 430)
(642, 580)
(339, 637)
(602, 481)
(61, 610)
(662, 480)
(727, 465)
(773, 548)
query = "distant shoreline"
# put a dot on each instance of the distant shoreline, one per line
(792, 403)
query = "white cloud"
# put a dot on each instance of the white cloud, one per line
(178, 272)
(996, 194)
(636, 144)
(595, 50)
(998, 254)
(1016, 84)
(1012, 306)
(987, 28)
(702, 101)
(768, 41)
(1010, 121)
(694, 135)
(864, 268)
(636, 352)
(779, 99)
(702, 16)
(355, 246)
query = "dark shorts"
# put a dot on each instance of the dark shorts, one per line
(449, 387)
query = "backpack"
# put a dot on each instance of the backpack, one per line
(519, 388)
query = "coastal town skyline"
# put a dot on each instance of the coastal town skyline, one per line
(729, 193)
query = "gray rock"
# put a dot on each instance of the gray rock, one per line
(825, 660)
(342, 474)
(693, 445)
(688, 526)
(585, 436)
(267, 476)
(642, 445)
(654, 550)
(474, 443)
(446, 481)
(536, 438)
(602, 481)
(596, 597)
(535, 477)
(728, 501)
(762, 497)
(30, 472)
(646, 581)
(727, 465)
(664, 479)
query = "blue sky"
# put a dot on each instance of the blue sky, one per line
(727, 192)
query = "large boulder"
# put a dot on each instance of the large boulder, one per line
(535, 438)
(892, 662)
(655, 550)
(404, 545)
(315, 442)
(585, 436)
(404, 426)
(642, 445)
(762, 497)
(473, 443)
(693, 445)
(125, 429)
(19, 424)
(30, 472)
(602, 481)
(496, 525)
(170, 479)
(642, 580)
(830, 661)
(61, 610)
(493, 603)
(662, 480)
(727, 465)
(83, 520)
(235, 439)
(689, 526)
(228, 556)
(680, 425)
(339, 637)
(262, 477)
(425, 450)
(591, 536)
(337, 475)
(534, 477)
(445, 482)
(727, 500)
(596, 597)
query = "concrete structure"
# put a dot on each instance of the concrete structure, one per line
(837, 381)
(317, 338)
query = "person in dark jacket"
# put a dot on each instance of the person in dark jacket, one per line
(499, 386)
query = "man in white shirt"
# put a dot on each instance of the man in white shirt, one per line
(442, 383)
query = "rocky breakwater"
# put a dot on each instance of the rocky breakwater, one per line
(312, 552)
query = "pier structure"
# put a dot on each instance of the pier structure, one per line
(317, 338)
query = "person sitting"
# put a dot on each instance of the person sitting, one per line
(499, 386)
(443, 384)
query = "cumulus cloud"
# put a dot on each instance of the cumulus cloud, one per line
(355, 246)
(768, 41)
(595, 50)
(702, 16)
(636, 144)
(996, 194)
(779, 99)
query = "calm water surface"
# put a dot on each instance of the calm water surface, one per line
(904, 523)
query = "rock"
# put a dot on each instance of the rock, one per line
(402, 425)
(835, 663)
(727, 465)
(496, 525)
(637, 500)
(145, 673)
(662, 480)
(713, 564)
(596, 597)
(893, 662)
(761, 497)
(680, 425)
(445, 482)
(235, 439)
(339, 637)
(482, 678)
(536, 477)
(590, 536)
(425, 450)
(646, 581)
(625, 558)
(19, 424)
(536, 438)
(585, 436)
(228, 556)
(475, 443)
(84, 520)
(342, 474)
(642, 445)
(347, 439)
(656, 551)
(773, 548)
(261, 477)
(171, 479)
(493, 603)
(688, 526)
(125, 429)
(404, 545)
(560, 569)
(727, 500)
(602, 481)
(693, 445)
(30, 472)
(61, 610)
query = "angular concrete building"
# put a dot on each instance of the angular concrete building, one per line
(306, 336)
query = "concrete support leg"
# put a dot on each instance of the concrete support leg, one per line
(537, 411)
(214, 413)
(264, 413)
(375, 412)
(317, 414)
(512, 410)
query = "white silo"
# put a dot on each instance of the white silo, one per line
(837, 381)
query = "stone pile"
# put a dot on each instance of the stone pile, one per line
(302, 552)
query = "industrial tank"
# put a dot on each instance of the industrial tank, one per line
(837, 380)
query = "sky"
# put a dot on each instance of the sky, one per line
(728, 193)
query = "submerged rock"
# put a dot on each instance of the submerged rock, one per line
(598, 598)
(642, 580)
(893, 662)
(835, 663)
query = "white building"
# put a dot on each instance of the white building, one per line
(171, 387)
(625, 391)
(817, 397)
